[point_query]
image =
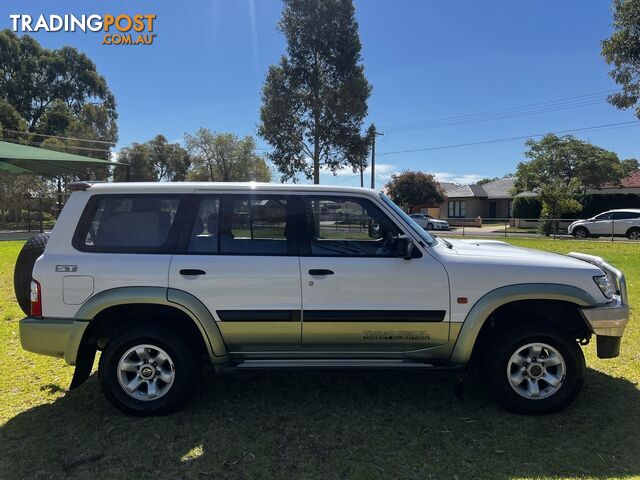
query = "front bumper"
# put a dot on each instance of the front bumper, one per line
(56, 337)
(607, 321)
(440, 226)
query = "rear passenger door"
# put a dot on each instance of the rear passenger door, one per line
(624, 221)
(238, 256)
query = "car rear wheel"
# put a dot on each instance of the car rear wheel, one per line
(534, 369)
(633, 234)
(581, 232)
(148, 371)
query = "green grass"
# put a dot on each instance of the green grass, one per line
(325, 425)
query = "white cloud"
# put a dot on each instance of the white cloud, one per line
(462, 179)
(382, 169)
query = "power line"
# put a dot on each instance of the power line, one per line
(58, 136)
(522, 137)
(529, 109)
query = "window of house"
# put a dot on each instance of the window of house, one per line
(349, 226)
(128, 224)
(457, 209)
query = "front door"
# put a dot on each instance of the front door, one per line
(601, 224)
(357, 293)
(238, 258)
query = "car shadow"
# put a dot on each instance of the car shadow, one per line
(335, 424)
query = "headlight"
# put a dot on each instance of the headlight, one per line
(604, 284)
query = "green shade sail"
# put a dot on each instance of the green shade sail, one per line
(16, 158)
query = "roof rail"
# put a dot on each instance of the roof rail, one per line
(82, 185)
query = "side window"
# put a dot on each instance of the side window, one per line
(604, 216)
(123, 224)
(204, 233)
(349, 226)
(254, 225)
(625, 215)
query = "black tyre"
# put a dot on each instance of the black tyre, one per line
(148, 371)
(580, 232)
(633, 233)
(429, 226)
(31, 250)
(533, 369)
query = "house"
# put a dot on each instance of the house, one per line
(629, 184)
(434, 209)
(490, 200)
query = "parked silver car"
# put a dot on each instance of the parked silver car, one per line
(428, 222)
(622, 222)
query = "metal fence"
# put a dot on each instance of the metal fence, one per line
(555, 228)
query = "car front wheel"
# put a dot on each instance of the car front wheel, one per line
(148, 371)
(534, 369)
(580, 232)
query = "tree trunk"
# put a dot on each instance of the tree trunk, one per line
(316, 158)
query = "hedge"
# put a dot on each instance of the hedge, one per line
(530, 207)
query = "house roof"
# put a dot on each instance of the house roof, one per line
(500, 188)
(630, 181)
(448, 186)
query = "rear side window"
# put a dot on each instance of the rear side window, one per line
(241, 225)
(128, 224)
(625, 215)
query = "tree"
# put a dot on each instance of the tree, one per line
(34, 79)
(622, 51)
(223, 157)
(170, 161)
(138, 159)
(154, 161)
(561, 169)
(411, 188)
(56, 93)
(315, 99)
(484, 181)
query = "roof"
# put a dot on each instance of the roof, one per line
(44, 162)
(500, 188)
(448, 186)
(468, 191)
(188, 187)
(630, 181)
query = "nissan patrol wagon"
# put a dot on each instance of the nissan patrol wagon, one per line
(163, 278)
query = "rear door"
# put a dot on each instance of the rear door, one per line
(121, 240)
(238, 257)
(624, 221)
(357, 294)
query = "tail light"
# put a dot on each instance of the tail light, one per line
(36, 299)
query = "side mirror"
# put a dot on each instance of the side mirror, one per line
(404, 247)
(374, 231)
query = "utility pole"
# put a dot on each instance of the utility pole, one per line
(372, 135)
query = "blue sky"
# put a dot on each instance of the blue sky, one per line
(426, 60)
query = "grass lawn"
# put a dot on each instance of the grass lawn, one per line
(325, 425)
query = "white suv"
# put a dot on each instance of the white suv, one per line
(162, 278)
(620, 223)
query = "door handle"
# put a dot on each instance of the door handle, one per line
(192, 271)
(320, 271)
